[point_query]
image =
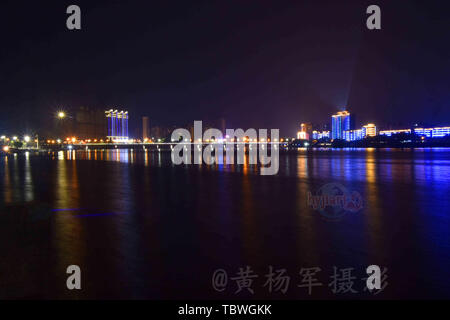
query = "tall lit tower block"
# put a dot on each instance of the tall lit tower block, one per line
(117, 125)
(124, 125)
(145, 129)
(340, 122)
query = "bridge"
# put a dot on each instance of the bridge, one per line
(157, 145)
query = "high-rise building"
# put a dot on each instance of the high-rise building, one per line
(223, 126)
(117, 125)
(145, 129)
(81, 123)
(305, 132)
(340, 122)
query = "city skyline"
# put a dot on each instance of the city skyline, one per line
(294, 61)
(93, 126)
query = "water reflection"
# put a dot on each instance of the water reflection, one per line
(7, 187)
(69, 234)
(28, 183)
(133, 216)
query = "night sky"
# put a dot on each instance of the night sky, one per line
(261, 64)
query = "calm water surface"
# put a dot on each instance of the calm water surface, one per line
(142, 228)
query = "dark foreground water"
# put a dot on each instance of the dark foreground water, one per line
(140, 227)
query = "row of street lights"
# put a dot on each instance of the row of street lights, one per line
(15, 138)
(27, 139)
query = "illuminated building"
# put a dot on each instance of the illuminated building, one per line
(117, 125)
(340, 122)
(392, 132)
(369, 130)
(353, 135)
(424, 132)
(441, 131)
(437, 132)
(302, 135)
(305, 131)
(316, 135)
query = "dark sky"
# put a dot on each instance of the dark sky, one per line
(262, 64)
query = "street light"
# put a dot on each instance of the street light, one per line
(61, 114)
(27, 139)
